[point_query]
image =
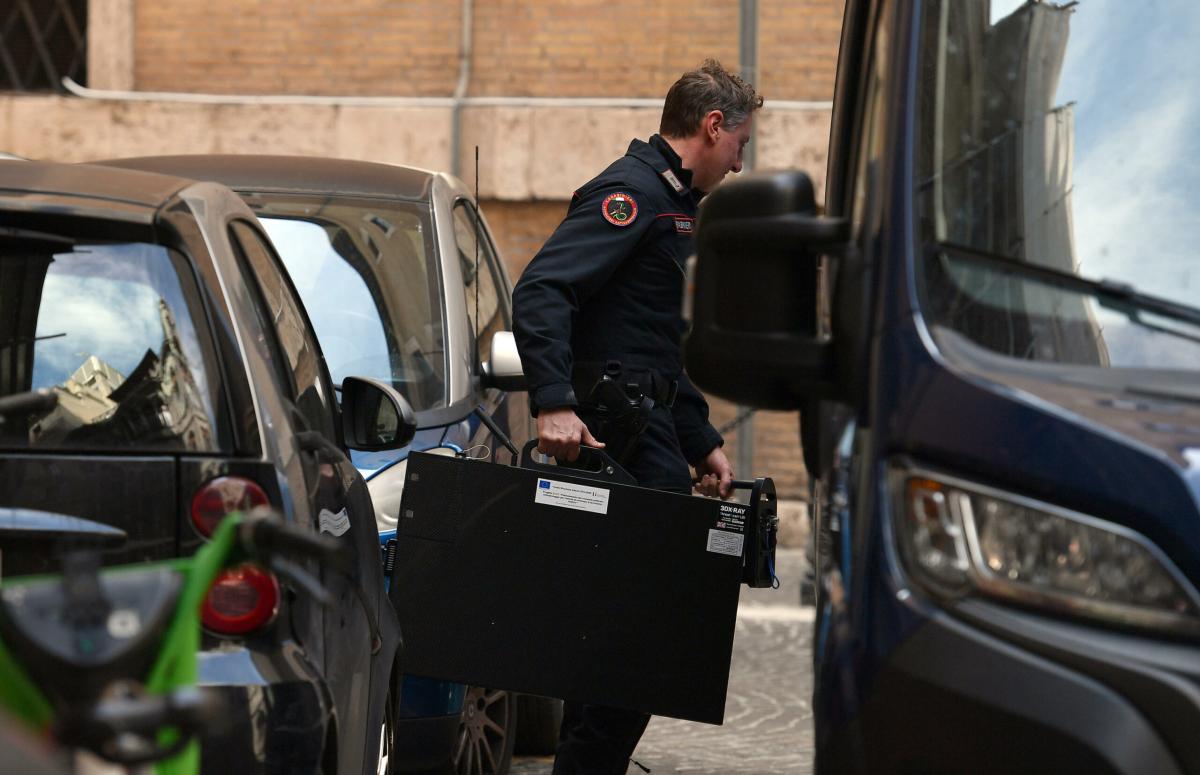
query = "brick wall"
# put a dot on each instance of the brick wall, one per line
(797, 48)
(520, 228)
(604, 48)
(343, 47)
(607, 48)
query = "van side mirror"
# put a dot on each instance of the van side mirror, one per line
(375, 416)
(756, 337)
(503, 368)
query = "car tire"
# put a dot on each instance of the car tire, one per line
(486, 733)
(388, 763)
(538, 722)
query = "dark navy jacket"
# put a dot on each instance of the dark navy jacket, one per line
(608, 285)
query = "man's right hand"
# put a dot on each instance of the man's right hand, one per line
(560, 432)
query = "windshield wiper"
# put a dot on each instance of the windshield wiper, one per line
(1111, 294)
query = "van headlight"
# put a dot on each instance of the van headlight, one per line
(957, 537)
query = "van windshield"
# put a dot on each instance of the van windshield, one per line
(1062, 135)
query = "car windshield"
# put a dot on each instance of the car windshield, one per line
(1062, 135)
(109, 329)
(365, 270)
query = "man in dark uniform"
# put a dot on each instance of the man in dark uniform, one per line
(601, 303)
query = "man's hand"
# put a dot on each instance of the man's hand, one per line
(560, 432)
(715, 475)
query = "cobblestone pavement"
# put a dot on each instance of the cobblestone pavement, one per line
(768, 716)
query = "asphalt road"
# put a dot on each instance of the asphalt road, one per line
(768, 716)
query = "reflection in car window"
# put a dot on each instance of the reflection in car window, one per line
(107, 328)
(1060, 134)
(366, 274)
(491, 315)
(290, 327)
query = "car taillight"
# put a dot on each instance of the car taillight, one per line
(222, 496)
(240, 600)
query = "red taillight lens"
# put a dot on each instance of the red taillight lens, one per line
(240, 600)
(221, 497)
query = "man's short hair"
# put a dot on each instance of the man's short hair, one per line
(697, 92)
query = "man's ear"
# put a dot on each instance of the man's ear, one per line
(709, 124)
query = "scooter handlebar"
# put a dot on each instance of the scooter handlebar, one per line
(124, 729)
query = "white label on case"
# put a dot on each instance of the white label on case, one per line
(571, 496)
(725, 542)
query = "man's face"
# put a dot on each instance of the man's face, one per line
(722, 155)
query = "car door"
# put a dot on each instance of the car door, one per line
(336, 495)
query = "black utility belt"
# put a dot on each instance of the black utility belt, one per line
(651, 384)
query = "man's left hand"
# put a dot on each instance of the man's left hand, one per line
(715, 475)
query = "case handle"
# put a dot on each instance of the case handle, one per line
(592, 463)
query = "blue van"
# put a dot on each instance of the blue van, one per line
(991, 335)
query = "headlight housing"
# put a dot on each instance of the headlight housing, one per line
(957, 537)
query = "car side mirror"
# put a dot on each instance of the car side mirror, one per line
(756, 336)
(503, 368)
(375, 416)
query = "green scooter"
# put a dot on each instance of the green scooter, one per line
(106, 660)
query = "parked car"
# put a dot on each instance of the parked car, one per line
(993, 339)
(401, 277)
(176, 379)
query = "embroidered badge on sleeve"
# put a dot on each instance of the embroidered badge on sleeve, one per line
(619, 209)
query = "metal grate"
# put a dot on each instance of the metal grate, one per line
(40, 42)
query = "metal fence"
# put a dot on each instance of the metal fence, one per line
(41, 41)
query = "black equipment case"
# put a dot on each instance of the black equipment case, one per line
(574, 584)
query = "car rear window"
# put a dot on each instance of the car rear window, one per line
(107, 328)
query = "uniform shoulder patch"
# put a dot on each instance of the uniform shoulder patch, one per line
(619, 209)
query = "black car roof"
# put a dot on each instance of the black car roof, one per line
(89, 181)
(307, 174)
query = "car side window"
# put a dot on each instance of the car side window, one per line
(493, 309)
(295, 346)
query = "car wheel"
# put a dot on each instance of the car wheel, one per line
(538, 721)
(487, 733)
(387, 738)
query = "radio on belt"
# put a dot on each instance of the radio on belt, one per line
(575, 582)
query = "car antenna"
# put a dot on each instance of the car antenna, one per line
(478, 234)
(496, 430)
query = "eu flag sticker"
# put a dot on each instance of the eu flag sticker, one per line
(544, 484)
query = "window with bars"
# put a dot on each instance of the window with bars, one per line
(40, 42)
